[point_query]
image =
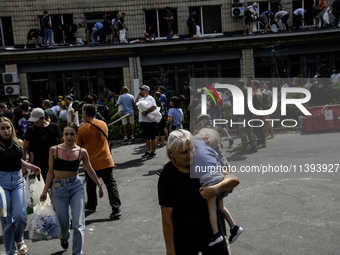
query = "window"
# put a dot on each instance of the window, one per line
(56, 21)
(93, 18)
(6, 32)
(209, 18)
(155, 18)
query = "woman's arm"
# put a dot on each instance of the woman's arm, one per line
(170, 120)
(50, 173)
(34, 168)
(229, 182)
(168, 229)
(85, 158)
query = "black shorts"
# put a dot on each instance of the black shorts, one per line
(149, 130)
(169, 27)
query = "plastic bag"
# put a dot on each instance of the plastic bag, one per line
(37, 188)
(273, 28)
(29, 180)
(3, 203)
(326, 18)
(44, 224)
(154, 116)
(254, 29)
(122, 36)
(198, 31)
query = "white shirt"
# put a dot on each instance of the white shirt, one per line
(55, 108)
(150, 99)
(335, 77)
(75, 120)
(299, 11)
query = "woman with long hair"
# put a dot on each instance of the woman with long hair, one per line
(13, 226)
(67, 188)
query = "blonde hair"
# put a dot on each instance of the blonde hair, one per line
(14, 139)
(177, 140)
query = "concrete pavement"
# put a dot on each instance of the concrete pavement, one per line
(288, 213)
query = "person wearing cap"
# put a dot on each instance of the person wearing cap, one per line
(148, 128)
(39, 138)
(72, 113)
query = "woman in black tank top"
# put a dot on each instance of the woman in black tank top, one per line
(14, 224)
(67, 188)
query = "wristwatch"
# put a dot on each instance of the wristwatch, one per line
(100, 185)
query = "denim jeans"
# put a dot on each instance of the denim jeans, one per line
(48, 36)
(65, 193)
(13, 226)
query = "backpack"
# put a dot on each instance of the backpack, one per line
(265, 101)
(104, 111)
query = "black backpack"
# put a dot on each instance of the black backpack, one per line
(104, 111)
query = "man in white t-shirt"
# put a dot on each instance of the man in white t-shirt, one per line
(148, 128)
(72, 114)
(298, 17)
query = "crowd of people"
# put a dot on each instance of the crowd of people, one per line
(35, 135)
(322, 13)
(112, 29)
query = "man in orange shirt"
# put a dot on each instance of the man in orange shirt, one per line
(92, 136)
(322, 8)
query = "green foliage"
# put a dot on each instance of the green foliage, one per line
(334, 93)
(324, 71)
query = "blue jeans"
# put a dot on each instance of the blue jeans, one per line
(65, 193)
(13, 226)
(48, 36)
(95, 33)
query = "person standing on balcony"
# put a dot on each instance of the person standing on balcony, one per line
(191, 22)
(47, 28)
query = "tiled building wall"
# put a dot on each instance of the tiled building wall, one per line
(24, 13)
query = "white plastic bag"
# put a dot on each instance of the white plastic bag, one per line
(326, 18)
(254, 29)
(273, 28)
(154, 116)
(79, 41)
(37, 188)
(28, 180)
(122, 36)
(198, 31)
(44, 224)
(3, 203)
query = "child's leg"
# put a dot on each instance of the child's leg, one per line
(212, 214)
(226, 214)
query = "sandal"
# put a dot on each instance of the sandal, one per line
(22, 247)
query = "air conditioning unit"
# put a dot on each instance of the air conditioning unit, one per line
(237, 11)
(238, 1)
(9, 78)
(11, 90)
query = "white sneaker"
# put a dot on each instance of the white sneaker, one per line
(132, 137)
(125, 139)
(25, 47)
(37, 47)
(250, 33)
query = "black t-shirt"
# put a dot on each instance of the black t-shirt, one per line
(188, 93)
(41, 139)
(44, 21)
(10, 158)
(21, 124)
(192, 229)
